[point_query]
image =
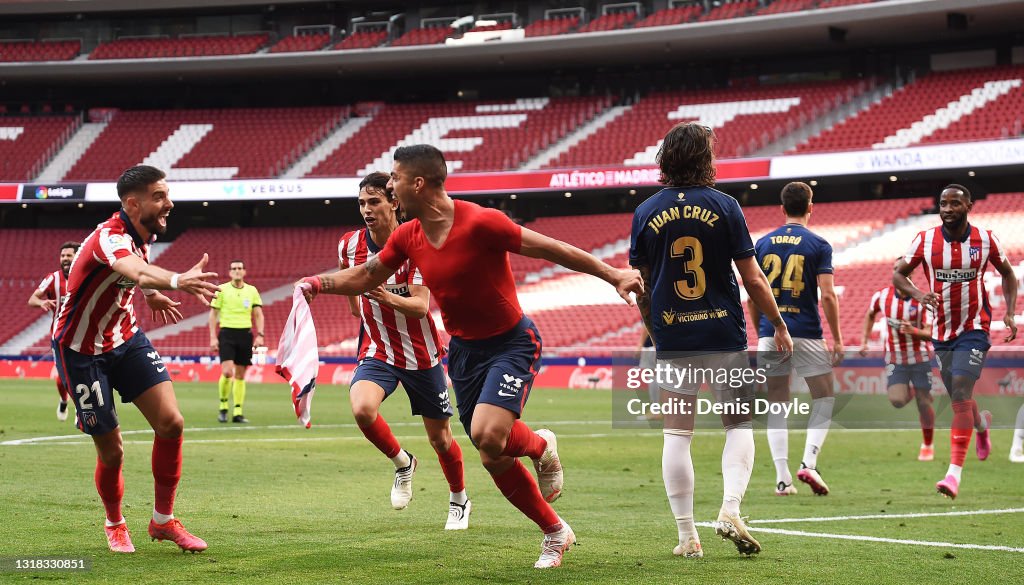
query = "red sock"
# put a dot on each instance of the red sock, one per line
(976, 415)
(927, 419)
(960, 433)
(522, 441)
(379, 433)
(166, 472)
(519, 488)
(62, 391)
(110, 485)
(451, 465)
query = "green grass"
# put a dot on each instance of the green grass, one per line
(290, 505)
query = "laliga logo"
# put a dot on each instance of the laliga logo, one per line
(43, 192)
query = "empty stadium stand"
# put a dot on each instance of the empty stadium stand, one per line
(610, 21)
(558, 25)
(14, 51)
(780, 6)
(196, 46)
(427, 35)
(744, 120)
(729, 9)
(207, 144)
(28, 143)
(672, 16)
(363, 39)
(975, 104)
(303, 42)
(475, 136)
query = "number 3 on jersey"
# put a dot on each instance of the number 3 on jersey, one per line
(690, 250)
(792, 275)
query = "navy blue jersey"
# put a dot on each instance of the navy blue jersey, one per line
(792, 257)
(688, 237)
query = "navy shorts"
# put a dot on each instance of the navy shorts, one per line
(131, 369)
(499, 370)
(962, 356)
(919, 375)
(427, 389)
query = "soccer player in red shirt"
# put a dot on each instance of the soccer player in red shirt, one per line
(908, 368)
(399, 343)
(48, 297)
(462, 251)
(955, 255)
(99, 348)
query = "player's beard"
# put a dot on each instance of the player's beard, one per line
(66, 269)
(955, 224)
(152, 224)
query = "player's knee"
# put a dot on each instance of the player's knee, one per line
(898, 401)
(364, 414)
(112, 455)
(441, 441)
(171, 426)
(228, 372)
(489, 442)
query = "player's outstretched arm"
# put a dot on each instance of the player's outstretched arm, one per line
(906, 287)
(536, 245)
(194, 281)
(1010, 298)
(760, 293)
(830, 305)
(351, 281)
(36, 299)
(869, 322)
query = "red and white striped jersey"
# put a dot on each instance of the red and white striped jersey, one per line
(900, 348)
(97, 315)
(54, 288)
(388, 335)
(956, 273)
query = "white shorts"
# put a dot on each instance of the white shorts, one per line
(728, 374)
(810, 358)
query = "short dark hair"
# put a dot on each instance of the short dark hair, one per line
(687, 156)
(796, 198)
(424, 161)
(377, 181)
(960, 188)
(69, 244)
(242, 262)
(137, 178)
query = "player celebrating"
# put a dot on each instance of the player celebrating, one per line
(462, 251)
(798, 263)
(954, 255)
(908, 368)
(48, 297)
(684, 242)
(399, 343)
(237, 307)
(99, 347)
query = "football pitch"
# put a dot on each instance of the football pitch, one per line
(278, 503)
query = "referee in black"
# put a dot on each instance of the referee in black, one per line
(237, 307)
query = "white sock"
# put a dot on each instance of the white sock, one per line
(778, 442)
(1018, 433)
(402, 459)
(817, 428)
(954, 470)
(110, 524)
(459, 498)
(162, 518)
(737, 464)
(677, 471)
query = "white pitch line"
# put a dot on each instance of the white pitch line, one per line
(886, 516)
(77, 439)
(991, 547)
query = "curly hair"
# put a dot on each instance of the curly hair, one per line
(687, 156)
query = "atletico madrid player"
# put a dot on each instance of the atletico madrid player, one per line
(954, 256)
(908, 370)
(48, 296)
(462, 251)
(399, 343)
(100, 348)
